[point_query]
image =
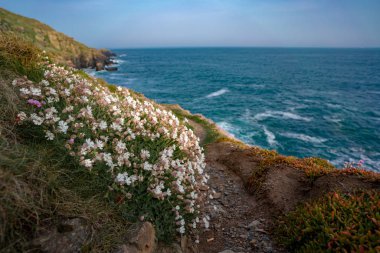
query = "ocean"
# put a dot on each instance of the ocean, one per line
(299, 101)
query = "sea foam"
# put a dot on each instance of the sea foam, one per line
(217, 93)
(227, 127)
(280, 114)
(304, 137)
(271, 138)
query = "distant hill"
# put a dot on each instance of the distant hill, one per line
(61, 47)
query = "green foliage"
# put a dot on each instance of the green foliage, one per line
(212, 132)
(335, 223)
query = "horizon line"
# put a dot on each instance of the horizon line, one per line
(232, 47)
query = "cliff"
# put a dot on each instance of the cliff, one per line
(88, 166)
(60, 47)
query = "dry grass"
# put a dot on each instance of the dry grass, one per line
(39, 186)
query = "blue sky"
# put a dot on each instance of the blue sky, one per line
(181, 23)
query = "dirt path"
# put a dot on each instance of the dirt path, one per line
(238, 223)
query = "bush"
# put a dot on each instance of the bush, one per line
(152, 163)
(335, 223)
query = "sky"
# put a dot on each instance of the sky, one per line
(209, 23)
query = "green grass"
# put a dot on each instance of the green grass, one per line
(335, 223)
(212, 132)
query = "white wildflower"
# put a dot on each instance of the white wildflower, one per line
(62, 126)
(36, 119)
(103, 125)
(49, 135)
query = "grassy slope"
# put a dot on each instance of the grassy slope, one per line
(39, 185)
(63, 48)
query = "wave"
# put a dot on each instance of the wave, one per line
(280, 114)
(271, 138)
(122, 55)
(304, 137)
(217, 93)
(118, 61)
(227, 127)
(332, 119)
(335, 106)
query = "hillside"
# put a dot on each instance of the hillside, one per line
(62, 48)
(86, 166)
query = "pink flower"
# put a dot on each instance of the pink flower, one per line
(34, 102)
(71, 141)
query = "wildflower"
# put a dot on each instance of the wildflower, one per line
(49, 135)
(45, 83)
(103, 125)
(35, 91)
(145, 154)
(147, 166)
(62, 126)
(34, 102)
(21, 116)
(25, 91)
(36, 119)
(87, 163)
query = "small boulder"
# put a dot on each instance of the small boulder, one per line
(69, 236)
(141, 238)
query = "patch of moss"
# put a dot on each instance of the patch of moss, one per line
(335, 223)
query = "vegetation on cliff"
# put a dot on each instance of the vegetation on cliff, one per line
(337, 222)
(102, 144)
(59, 46)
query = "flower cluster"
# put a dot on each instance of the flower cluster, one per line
(139, 143)
(353, 165)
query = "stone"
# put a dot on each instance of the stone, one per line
(217, 195)
(254, 223)
(68, 236)
(261, 230)
(227, 251)
(253, 243)
(141, 238)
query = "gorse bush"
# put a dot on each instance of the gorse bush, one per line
(152, 163)
(335, 223)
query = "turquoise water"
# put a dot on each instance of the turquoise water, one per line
(301, 102)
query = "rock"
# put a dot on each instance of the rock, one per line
(254, 223)
(111, 68)
(68, 236)
(99, 66)
(217, 195)
(253, 243)
(261, 230)
(141, 238)
(227, 251)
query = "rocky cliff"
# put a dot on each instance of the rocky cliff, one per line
(61, 47)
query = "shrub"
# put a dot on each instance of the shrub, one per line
(152, 163)
(335, 223)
